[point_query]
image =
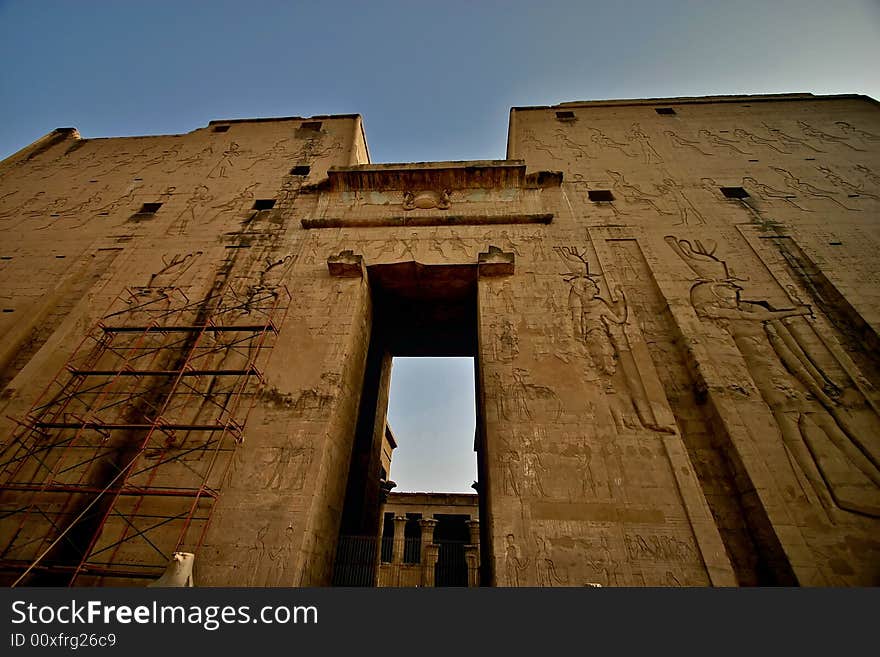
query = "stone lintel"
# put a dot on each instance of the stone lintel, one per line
(426, 220)
(496, 262)
(347, 264)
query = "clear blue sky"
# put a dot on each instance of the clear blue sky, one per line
(433, 80)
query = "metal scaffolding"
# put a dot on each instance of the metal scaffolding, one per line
(120, 461)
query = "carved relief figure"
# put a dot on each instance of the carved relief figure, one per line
(193, 160)
(578, 150)
(810, 131)
(227, 161)
(545, 568)
(505, 343)
(868, 174)
(520, 395)
(848, 187)
(789, 140)
(793, 182)
(721, 142)
(287, 469)
(126, 200)
(237, 202)
(680, 142)
(600, 326)
(529, 139)
(807, 404)
(771, 194)
(172, 152)
(686, 209)
(200, 197)
(278, 149)
(631, 193)
(758, 141)
(514, 564)
(851, 131)
(637, 136)
(604, 141)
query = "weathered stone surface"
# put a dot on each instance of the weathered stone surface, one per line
(677, 382)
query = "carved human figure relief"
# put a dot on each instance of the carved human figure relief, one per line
(637, 136)
(819, 135)
(721, 142)
(796, 184)
(604, 141)
(868, 174)
(546, 572)
(227, 161)
(687, 211)
(277, 150)
(830, 450)
(193, 160)
(752, 138)
(199, 198)
(514, 563)
(505, 341)
(600, 326)
(851, 131)
(771, 194)
(580, 151)
(240, 201)
(680, 142)
(790, 141)
(846, 186)
(631, 193)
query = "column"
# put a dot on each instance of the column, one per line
(472, 553)
(397, 554)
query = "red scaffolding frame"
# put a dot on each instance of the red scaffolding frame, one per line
(120, 461)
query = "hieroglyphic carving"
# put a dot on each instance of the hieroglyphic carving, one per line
(658, 547)
(798, 185)
(827, 444)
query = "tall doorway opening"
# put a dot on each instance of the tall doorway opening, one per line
(389, 535)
